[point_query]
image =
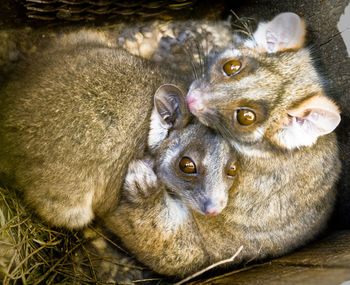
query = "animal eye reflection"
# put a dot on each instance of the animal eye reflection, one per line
(245, 117)
(233, 169)
(232, 67)
(187, 165)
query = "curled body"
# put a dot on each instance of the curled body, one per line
(72, 117)
(168, 196)
(266, 212)
(266, 99)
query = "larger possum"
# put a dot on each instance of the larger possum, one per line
(266, 98)
(71, 119)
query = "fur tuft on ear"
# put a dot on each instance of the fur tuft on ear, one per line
(170, 112)
(286, 31)
(315, 117)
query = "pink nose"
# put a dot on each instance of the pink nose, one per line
(194, 101)
(211, 209)
(211, 213)
(191, 101)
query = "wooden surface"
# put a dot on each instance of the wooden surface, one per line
(325, 262)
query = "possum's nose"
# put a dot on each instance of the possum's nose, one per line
(194, 101)
(211, 209)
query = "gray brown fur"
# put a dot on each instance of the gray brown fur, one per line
(159, 218)
(267, 214)
(284, 192)
(71, 119)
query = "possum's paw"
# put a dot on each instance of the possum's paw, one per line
(140, 181)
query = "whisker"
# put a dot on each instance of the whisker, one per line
(213, 119)
(202, 57)
(206, 56)
(192, 61)
(213, 81)
(244, 25)
(197, 46)
(197, 49)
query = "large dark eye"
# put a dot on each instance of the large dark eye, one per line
(246, 117)
(232, 67)
(187, 165)
(233, 169)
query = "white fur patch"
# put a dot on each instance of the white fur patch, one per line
(250, 151)
(173, 215)
(260, 35)
(296, 136)
(251, 44)
(230, 53)
(158, 131)
(78, 216)
(259, 133)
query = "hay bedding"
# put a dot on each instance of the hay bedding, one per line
(33, 253)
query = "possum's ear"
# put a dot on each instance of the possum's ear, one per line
(315, 117)
(286, 31)
(171, 106)
(170, 112)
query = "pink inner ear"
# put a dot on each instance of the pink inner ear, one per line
(285, 31)
(271, 41)
(318, 111)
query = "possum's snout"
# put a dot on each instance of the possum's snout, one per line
(194, 101)
(212, 208)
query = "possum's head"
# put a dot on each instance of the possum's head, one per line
(192, 161)
(264, 94)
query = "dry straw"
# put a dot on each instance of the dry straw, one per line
(33, 253)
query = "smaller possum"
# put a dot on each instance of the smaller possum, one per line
(190, 174)
(194, 164)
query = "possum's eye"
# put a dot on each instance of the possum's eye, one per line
(187, 165)
(232, 67)
(233, 170)
(245, 117)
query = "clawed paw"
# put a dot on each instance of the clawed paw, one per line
(140, 181)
